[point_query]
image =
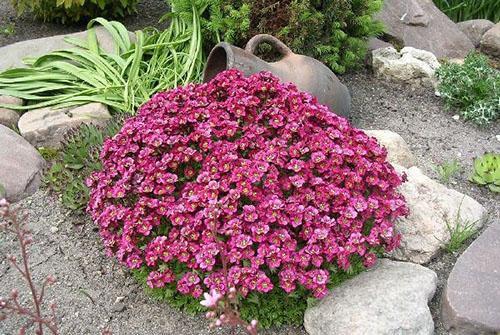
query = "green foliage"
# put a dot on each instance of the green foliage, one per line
(2, 191)
(275, 308)
(65, 11)
(459, 233)
(334, 32)
(447, 170)
(487, 171)
(463, 10)
(123, 80)
(75, 161)
(7, 30)
(473, 88)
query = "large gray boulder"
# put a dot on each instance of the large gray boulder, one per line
(420, 24)
(398, 152)
(475, 29)
(490, 42)
(46, 127)
(409, 66)
(13, 54)
(390, 299)
(9, 117)
(433, 207)
(20, 166)
(471, 299)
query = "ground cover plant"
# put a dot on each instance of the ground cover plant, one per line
(155, 61)
(75, 161)
(473, 88)
(253, 171)
(335, 32)
(67, 11)
(487, 171)
(463, 10)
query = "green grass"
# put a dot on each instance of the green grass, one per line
(459, 233)
(447, 170)
(463, 10)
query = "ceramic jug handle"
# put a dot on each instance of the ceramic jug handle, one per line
(254, 42)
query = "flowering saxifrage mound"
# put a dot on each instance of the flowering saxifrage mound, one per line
(246, 170)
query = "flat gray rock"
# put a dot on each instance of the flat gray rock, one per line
(390, 299)
(46, 127)
(490, 42)
(475, 29)
(20, 166)
(471, 299)
(420, 24)
(13, 54)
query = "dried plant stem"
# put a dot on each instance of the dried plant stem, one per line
(12, 224)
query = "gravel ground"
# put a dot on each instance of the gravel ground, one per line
(435, 137)
(25, 27)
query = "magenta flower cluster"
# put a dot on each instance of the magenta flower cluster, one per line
(249, 169)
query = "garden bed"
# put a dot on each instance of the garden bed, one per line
(94, 292)
(25, 27)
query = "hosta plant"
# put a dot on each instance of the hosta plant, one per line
(75, 10)
(253, 171)
(487, 171)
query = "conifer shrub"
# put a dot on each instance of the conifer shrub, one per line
(334, 32)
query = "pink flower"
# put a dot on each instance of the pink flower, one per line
(250, 168)
(211, 299)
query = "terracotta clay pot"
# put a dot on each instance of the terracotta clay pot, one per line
(309, 74)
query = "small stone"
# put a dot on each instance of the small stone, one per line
(497, 137)
(119, 299)
(409, 66)
(490, 42)
(475, 29)
(471, 299)
(398, 152)
(20, 165)
(9, 117)
(456, 117)
(389, 299)
(46, 127)
(54, 229)
(118, 307)
(433, 206)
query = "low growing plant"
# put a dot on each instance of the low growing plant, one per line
(249, 168)
(75, 161)
(335, 32)
(67, 11)
(447, 170)
(473, 88)
(487, 171)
